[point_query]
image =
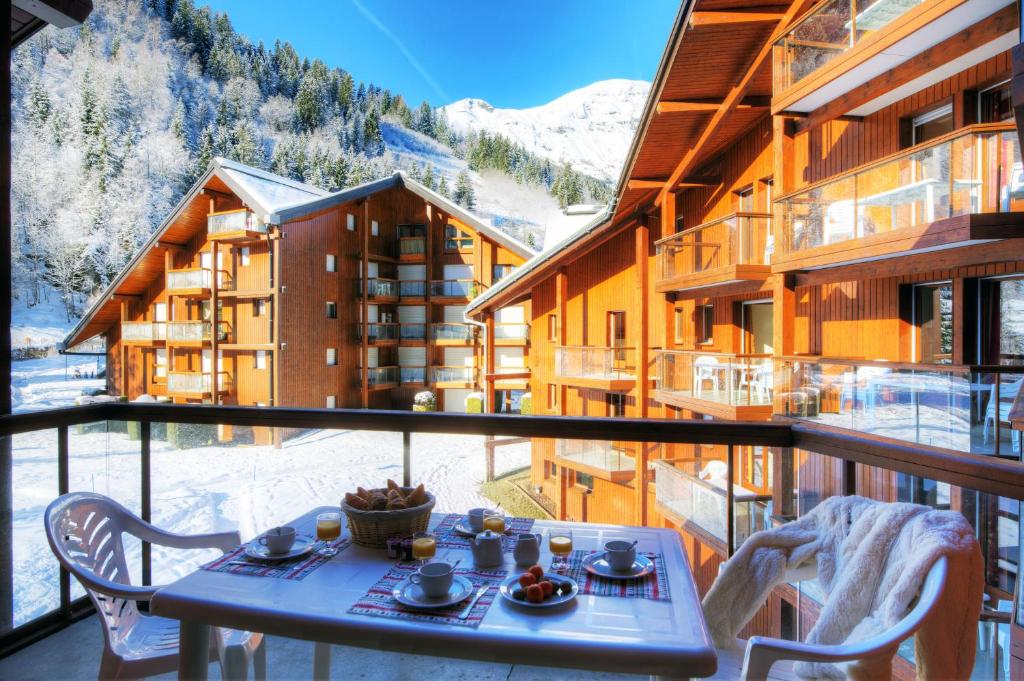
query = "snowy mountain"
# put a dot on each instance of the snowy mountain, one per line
(591, 128)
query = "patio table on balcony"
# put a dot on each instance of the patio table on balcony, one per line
(606, 633)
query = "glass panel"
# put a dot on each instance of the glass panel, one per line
(595, 362)
(738, 380)
(741, 239)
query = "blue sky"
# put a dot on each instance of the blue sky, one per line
(512, 54)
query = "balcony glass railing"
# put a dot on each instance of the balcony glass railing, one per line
(380, 288)
(382, 375)
(194, 278)
(738, 239)
(734, 380)
(511, 331)
(413, 374)
(613, 457)
(379, 332)
(835, 27)
(976, 170)
(956, 407)
(412, 331)
(453, 374)
(193, 332)
(412, 247)
(695, 490)
(412, 289)
(452, 332)
(143, 331)
(195, 383)
(233, 221)
(595, 362)
(455, 288)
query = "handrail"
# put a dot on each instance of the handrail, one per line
(729, 355)
(905, 366)
(976, 129)
(712, 223)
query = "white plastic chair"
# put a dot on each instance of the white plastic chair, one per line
(706, 368)
(769, 659)
(84, 531)
(1007, 394)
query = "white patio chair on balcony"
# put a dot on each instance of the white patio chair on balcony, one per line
(85, 531)
(1007, 394)
(706, 368)
(770, 659)
(840, 222)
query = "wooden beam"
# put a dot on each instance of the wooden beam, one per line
(126, 296)
(732, 17)
(700, 181)
(705, 105)
(808, 123)
(687, 163)
(169, 246)
(646, 183)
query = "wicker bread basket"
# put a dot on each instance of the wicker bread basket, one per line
(374, 528)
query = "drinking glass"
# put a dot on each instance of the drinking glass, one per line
(494, 521)
(328, 528)
(560, 545)
(424, 547)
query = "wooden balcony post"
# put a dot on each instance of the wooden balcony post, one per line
(125, 312)
(214, 323)
(364, 346)
(561, 303)
(489, 363)
(642, 336)
(783, 313)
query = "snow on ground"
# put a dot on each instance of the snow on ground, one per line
(41, 325)
(53, 381)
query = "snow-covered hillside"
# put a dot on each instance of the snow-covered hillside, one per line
(591, 128)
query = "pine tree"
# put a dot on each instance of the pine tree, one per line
(312, 99)
(373, 139)
(178, 123)
(464, 194)
(428, 177)
(442, 188)
(39, 106)
(204, 152)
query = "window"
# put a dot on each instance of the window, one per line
(456, 239)
(745, 200)
(617, 329)
(553, 327)
(261, 359)
(350, 222)
(160, 363)
(615, 404)
(330, 402)
(705, 322)
(1001, 332)
(932, 124)
(680, 223)
(374, 228)
(259, 307)
(933, 323)
(332, 310)
(243, 255)
(680, 325)
(332, 263)
(584, 480)
(160, 312)
(332, 357)
(995, 104)
(499, 272)
(552, 397)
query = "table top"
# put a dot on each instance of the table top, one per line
(632, 635)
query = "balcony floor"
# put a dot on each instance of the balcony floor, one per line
(74, 654)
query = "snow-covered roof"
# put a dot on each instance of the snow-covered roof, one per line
(263, 191)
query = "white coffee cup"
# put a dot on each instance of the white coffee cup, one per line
(278, 539)
(434, 578)
(476, 519)
(620, 555)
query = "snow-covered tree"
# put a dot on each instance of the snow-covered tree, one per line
(464, 194)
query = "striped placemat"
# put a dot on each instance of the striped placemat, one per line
(653, 586)
(447, 538)
(293, 569)
(379, 602)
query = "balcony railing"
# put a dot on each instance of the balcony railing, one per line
(737, 239)
(380, 288)
(412, 247)
(595, 362)
(830, 30)
(412, 331)
(612, 460)
(413, 374)
(697, 492)
(193, 278)
(452, 332)
(382, 375)
(376, 332)
(509, 331)
(195, 383)
(408, 288)
(233, 221)
(957, 407)
(974, 170)
(453, 374)
(455, 288)
(188, 332)
(733, 380)
(143, 332)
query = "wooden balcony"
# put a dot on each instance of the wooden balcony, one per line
(961, 189)
(196, 385)
(596, 367)
(455, 290)
(193, 282)
(413, 375)
(870, 48)
(380, 290)
(379, 334)
(236, 226)
(412, 249)
(452, 334)
(728, 251)
(737, 387)
(509, 334)
(412, 333)
(189, 334)
(143, 333)
(510, 377)
(453, 376)
(412, 290)
(382, 378)
(612, 461)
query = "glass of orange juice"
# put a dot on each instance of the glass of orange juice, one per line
(494, 521)
(560, 545)
(424, 546)
(328, 528)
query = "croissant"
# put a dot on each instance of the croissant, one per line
(392, 485)
(417, 497)
(356, 501)
(378, 501)
(365, 494)
(396, 504)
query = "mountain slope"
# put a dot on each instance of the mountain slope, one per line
(591, 127)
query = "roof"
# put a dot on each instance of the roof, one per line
(274, 199)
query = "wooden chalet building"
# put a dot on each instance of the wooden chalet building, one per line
(351, 299)
(821, 218)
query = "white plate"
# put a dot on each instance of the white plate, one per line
(512, 583)
(301, 547)
(462, 528)
(596, 564)
(411, 595)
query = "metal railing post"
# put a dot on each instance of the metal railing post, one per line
(406, 458)
(63, 487)
(730, 510)
(145, 467)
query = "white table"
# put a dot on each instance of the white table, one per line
(605, 633)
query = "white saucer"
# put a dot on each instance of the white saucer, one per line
(512, 583)
(462, 528)
(411, 595)
(596, 564)
(301, 547)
